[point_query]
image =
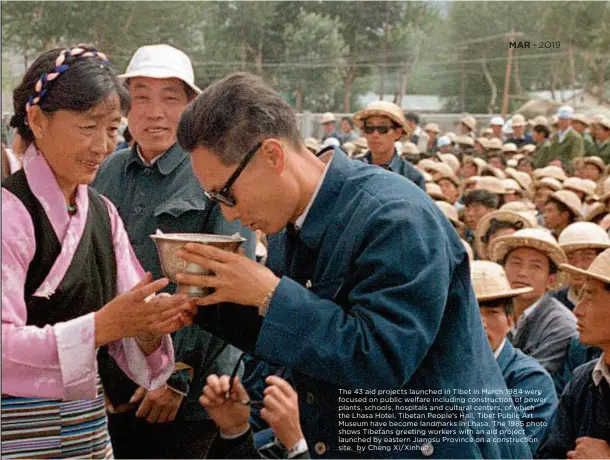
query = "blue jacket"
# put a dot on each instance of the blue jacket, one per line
(520, 142)
(167, 195)
(584, 410)
(526, 376)
(400, 166)
(578, 354)
(562, 296)
(375, 292)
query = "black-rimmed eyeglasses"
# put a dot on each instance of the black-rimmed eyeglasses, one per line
(223, 196)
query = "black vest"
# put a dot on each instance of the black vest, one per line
(90, 281)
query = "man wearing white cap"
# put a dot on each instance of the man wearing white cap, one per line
(444, 145)
(153, 187)
(496, 124)
(581, 426)
(519, 137)
(566, 143)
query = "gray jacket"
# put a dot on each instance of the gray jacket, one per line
(545, 335)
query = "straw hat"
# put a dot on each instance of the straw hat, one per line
(496, 121)
(522, 178)
(465, 140)
(548, 182)
(554, 120)
(518, 156)
(469, 121)
(427, 177)
(450, 213)
(312, 143)
(483, 141)
(434, 191)
(409, 148)
(451, 135)
(426, 164)
(550, 171)
(494, 144)
(518, 120)
(327, 117)
(497, 173)
(481, 164)
(605, 122)
(509, 147)
(606, 189)
(491, 184)
(583, 235)
(528, 149)
(438, 167)
(575, 184)
(451, 160)
(487, 132)
(511, 185)
(452, 177)
(579, 117)
(591, 187)
(535, 238)
(490, 282)
(432, 127)
(599, 269)
(539, 120)
(597, 210)
(469, 250)
(570, 199)
(522, 207)
(513, 162)
(526, 219)
(361, 143)
(597, 161)
(349, 148)
(383, 109)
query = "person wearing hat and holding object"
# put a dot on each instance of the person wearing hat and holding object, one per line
(328, 125)
(580, 124)
(566, 143)
(364, 278)
(496, 124)
(581, 425)
(383, 123)
(500, 223)
(582, 242)
(602, 134)
(432, 130)
(467, 126)
(522, 373)
(153, 187)
(544, 326)
(418, 136)
(561, 209)
(519, 137)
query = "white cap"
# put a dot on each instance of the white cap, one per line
(443, 141)
(565, 112)
(496, 121)
(161, 61)
(331, 141)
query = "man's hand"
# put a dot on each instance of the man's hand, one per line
(590, 448)
(230, 415)
(158, 406)
(236, 278)
(281, 411)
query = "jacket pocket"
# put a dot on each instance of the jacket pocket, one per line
(181, 215)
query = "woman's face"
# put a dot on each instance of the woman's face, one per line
(76, 143)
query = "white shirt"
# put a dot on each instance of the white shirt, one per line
(298, 225)
(498, 350)
(562, 134)
(145, 161)
(601, 370)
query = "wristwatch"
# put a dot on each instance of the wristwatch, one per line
(299, 448)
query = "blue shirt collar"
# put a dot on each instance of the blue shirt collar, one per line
(393, 165)
(166, 163)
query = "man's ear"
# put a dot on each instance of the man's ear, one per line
(274, 153)
(38, 121)
(550, 281)
(399, 132)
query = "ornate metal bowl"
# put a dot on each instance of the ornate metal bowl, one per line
(171, 264)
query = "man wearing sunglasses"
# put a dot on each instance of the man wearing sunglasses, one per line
(367, 284)
(383, 123)
(153, 187)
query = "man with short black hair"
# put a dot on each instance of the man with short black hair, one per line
(348, 134)
(542, 156)
(419, 137)
(477, 203)
(562, 208)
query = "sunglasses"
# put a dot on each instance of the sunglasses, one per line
(382, 129)
(223, 196)
(259, 404)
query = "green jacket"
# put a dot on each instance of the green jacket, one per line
(604, 152)
(590, 146)
(542, 155)
(571, 147)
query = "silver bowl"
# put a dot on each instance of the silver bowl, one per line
(171, 264)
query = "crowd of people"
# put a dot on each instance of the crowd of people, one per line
(383, 255)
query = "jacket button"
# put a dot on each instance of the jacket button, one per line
(147, 171)
(310, 398)
(138, 209)
(427, 449)
(320, 448)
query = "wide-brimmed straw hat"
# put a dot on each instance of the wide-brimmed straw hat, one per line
(534, 238)
(521, 207)
(596, 161)
(550, 171)
(606, 191)
(464, 140)
(450, 213)
(569, 199)
(469, 121)
(496, 121)
(548, 182)
(539, 120)
(599, 269)
(327, 117)
(490, 282)
(583, 235)
(451, 160)
(383, 109)
(491, 184)
(483, 141)
(409, 148)
(528, 149)
(595, 211)
(509, 147)
(518, 120)
(525, 219)
(435, 192)
(575, 184)
(433, 127)
(312, 144)
(604, 121)
(511, 186)
(361, 143)
(580, 117)
(522, 178)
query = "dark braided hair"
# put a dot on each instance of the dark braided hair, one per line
(82, 79)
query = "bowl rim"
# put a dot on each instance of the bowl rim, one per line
(199, 238)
